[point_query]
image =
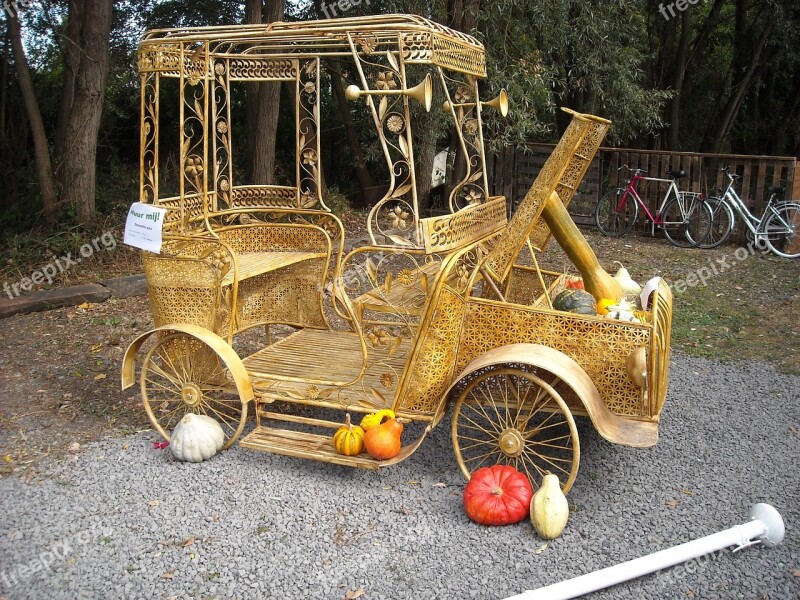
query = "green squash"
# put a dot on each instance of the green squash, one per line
(575, 301)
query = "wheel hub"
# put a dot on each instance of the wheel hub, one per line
(511, 442)
(191, 394)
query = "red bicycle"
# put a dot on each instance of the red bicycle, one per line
(684, 217)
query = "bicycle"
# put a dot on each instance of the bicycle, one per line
(684, 216)
(774, 230)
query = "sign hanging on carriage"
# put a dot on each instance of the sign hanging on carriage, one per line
(143, 227)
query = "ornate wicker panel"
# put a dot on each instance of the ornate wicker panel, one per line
(274, 238)
(599, 346)
(440, 234)
(433, 361)
(509, 245)
(253, 68)
(287, 295)
(444, 51)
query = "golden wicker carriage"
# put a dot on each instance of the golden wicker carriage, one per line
(432, 312)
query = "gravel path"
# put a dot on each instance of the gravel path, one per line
(122, 520)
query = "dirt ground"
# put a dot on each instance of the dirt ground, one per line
(60, 370)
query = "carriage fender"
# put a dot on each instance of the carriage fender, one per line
(615, 429)
(211, 339)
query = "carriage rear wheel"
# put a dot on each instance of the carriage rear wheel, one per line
(508, 416)
(181, 374)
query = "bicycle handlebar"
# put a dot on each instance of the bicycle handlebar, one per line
(636, 171)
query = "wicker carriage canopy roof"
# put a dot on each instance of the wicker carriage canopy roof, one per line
(420, 40)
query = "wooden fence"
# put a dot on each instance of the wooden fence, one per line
(512, 172)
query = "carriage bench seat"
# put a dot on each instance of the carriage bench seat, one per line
(252, 264)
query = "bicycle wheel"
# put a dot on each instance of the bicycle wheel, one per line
(721, 223)
(782, 230)
(686, 221)
(614, 219)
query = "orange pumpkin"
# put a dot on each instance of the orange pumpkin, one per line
(383, 441)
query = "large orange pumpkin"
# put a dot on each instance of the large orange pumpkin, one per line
(498, 495)
(383, 441)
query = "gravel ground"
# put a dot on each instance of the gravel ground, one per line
(123, 520)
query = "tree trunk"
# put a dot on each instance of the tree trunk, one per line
(71, 52)
(679, 74)
(263, 102)
(364, 177)
(78, 170)
(721, 126)
(44, 167)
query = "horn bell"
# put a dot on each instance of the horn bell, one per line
(499, 102)
(422, 92)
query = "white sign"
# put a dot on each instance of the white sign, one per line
(143, 227)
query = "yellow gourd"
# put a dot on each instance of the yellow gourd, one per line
(549, 508)
(374, 419)
(349, 439)
(604, 304)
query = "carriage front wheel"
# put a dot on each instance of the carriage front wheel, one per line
(181, 374)
(508, 416)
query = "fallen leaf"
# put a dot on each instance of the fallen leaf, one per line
(153, 503)
(440, 484)
(405, 511)
(326, 564)
(687, 492)
(97, 347)
(354, 594)
(795, 572)
(793, 429)
(100, 376)
(672, 503)
(412, 482)
(86, 305)
(74, 447)
(541, 548)
(690, 594)
(8, 458)
(188, 541)
(168, 574)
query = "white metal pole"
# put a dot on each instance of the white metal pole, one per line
(765, 526)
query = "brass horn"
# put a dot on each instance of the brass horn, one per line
(422, 92)
(500, 102)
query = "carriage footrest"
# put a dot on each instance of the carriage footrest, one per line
(304, 445)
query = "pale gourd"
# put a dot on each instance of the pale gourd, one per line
(625, 281)
(196, 438)
(549, 508)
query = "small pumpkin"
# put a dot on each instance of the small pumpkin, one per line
(497, 495)
(574, 283)
(196, 438)
(349, 438)
(383, 441)
(549, 509)
(374, 419)
(604, 304)
(575, 301)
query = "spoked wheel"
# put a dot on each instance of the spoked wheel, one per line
(614, 218)
(686, 221)
(721, 223)
(782, 230)
(509, 416)
(181, 374)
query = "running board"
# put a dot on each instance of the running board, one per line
(318, 447)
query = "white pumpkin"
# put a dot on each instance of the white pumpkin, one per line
(196, 438)
(549, 508)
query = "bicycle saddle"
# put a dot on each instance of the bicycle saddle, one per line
(777, 190)
(676, 174)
